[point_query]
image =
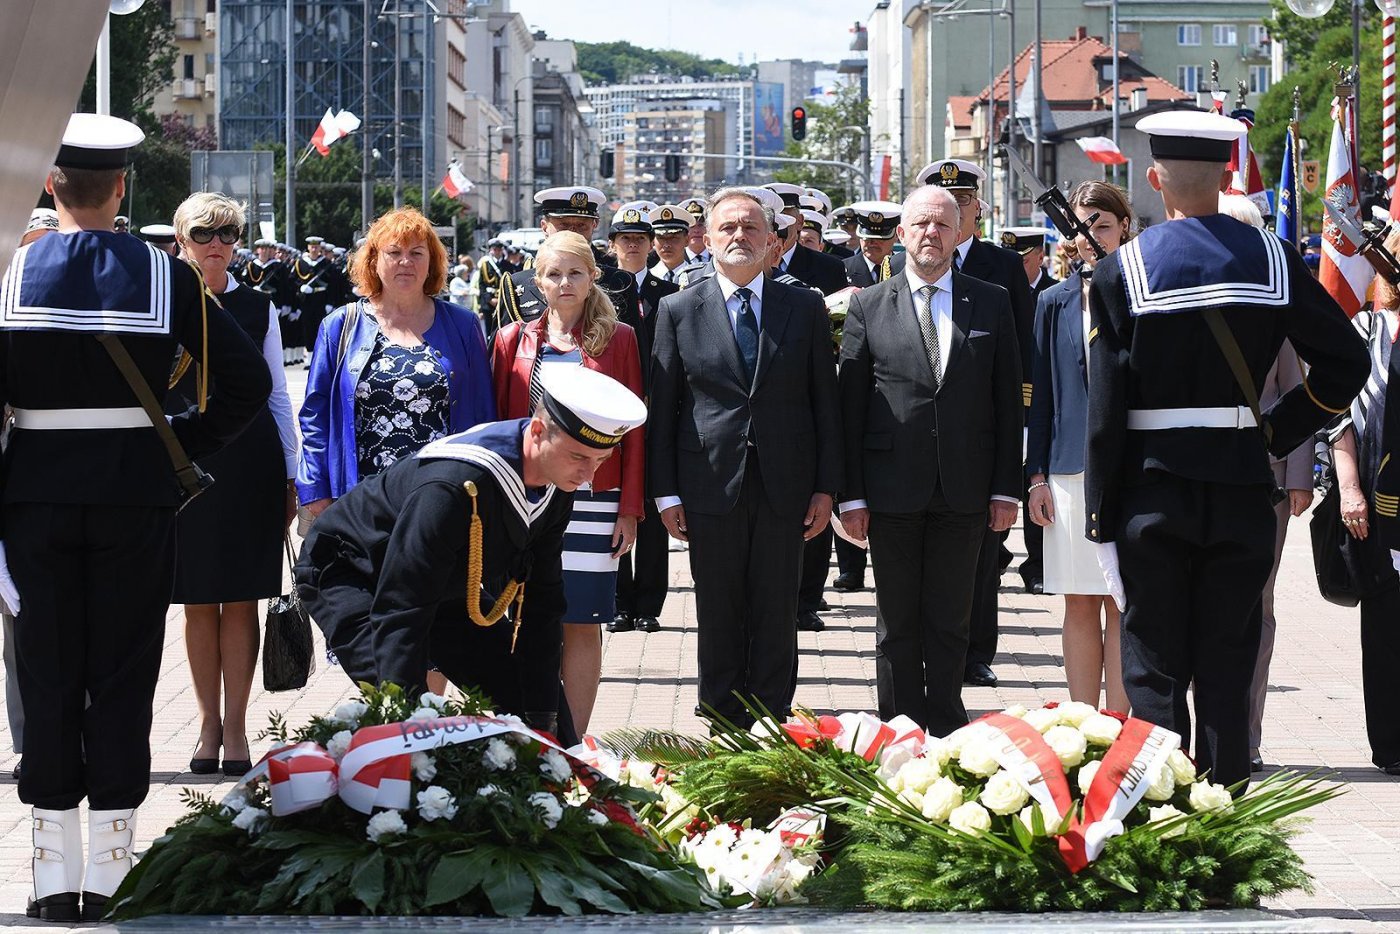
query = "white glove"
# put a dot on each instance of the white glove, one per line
(294, 314)
(9, 596)
(1394, 558)
(1107, 554)
(306, 290)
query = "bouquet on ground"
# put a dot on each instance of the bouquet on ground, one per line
(397, 806)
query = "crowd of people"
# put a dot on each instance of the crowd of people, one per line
(494, 459)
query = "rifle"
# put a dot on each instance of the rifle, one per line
(1370, 245)
(1055, 205)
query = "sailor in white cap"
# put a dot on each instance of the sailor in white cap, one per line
(813, 223)
(267, 274)
(485, 513)
(813, 267)
(670, 231)
(844, 220)
(160, 236)
(573, 208)
(319, 287)
(875, 226)
(695, 249)
(93, 478)
(1187, 318)
(1030, 243)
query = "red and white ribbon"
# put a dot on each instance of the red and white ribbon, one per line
(864, 734)
(799, 826)
(1019, 748)
(1124, 775)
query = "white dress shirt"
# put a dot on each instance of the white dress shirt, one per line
(941, 314)
(961, 250)
(732, 304)
(786, 258)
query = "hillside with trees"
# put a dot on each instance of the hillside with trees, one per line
(616, 62)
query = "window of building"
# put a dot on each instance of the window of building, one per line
(456, 127)
(210, 66)
(1223, 34)
(1258, 35)
(544, 119)
(457, 66)
(187, 66)
(544, 151)
(1188, 34)
(1260, 78)
(1190, 78)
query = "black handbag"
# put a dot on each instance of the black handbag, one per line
(1336, 555)
(288, 656)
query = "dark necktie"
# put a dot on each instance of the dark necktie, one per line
(928, 329)
(746, 332)
(957, 261)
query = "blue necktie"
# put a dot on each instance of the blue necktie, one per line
(746, 333)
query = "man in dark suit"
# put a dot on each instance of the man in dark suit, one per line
(817, 269)
(931, 404)
(876, 223)
(990, 263)
(744, 452)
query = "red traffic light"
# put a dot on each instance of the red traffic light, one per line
(799, 113)
(799, 123)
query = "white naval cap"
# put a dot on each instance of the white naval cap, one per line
(876, 220)
(670, 218)
(813, 220)
(631, 218)
(952, 173)
(97, 141)
(789, 193)
(767, 197)
(813, 204)
(822, 197)
(1191, 135)
(1023, 239)
(835, 235)
(570, 201)
(592, 408)
(784, 221)
(157, 233)
(695, 207)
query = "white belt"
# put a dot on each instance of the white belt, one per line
(69, 419)
(1238, 416)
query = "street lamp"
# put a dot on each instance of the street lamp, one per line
(515, 160)
(104, 52)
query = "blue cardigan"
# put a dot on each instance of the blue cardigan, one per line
(329, 463)
(1059, 415)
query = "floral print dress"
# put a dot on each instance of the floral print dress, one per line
(401, 403)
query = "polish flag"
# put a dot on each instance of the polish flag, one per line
(1217, 101)
(1102, 150)
(333, 126)
(454, 183)
(1343, 272)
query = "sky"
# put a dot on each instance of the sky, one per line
(817, 30)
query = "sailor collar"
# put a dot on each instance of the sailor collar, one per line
(1203, 262)
(496, 448)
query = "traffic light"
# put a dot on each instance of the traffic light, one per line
(673, 168)
(605, 163)
(799, 123)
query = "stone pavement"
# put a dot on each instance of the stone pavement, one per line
(1314, 718)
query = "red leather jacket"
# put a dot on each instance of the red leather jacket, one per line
(513, 357)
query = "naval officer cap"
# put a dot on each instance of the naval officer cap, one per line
(789, 193)
(314, 241)
(157, 233)
(836, 236)
(695, 207)
(570, 201)
(784, 221)
(767, 197)
(952, 173)
(843, 215)
(823, 197)
(809, 203)
(97, 141)
(1024, 239)
(1191, 135)
(264, 242)
(631, 218)
(813, 220)
(669, 219)
(876, 220)
(592, 408)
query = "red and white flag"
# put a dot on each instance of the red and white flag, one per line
(1343, 272)
(333, 126)
(1247, 181)
(1102, 150)
(1217, 101)
(455, 183)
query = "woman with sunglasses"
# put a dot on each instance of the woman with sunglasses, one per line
(230, 538)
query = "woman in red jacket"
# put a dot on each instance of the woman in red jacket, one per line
(579, 328)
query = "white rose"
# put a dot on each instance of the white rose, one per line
(597, 817)
(499, 756)
(1183, 769)
(424, 768)
(548, 808)
(350, 712)
(1003, 794)
(1016, 710)
(954, 742)
(1208, 796)
(1166, 812)
(339, 745)
(1041, 718)
(1101, 729)
(1074, 713)
(941, 798)
(436, 801)
(970, 818)
(486, 791)
(1162, 786)
(1068, 744)
(429, 699)
(892, 760)
(937, 751)
(554, 766)
(917, 775)
(425, 713)
(976, 757)
(1027, 818)
(251, 819)
(913, 798)
(385, 824)
(1087, 771)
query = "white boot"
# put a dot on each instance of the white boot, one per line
(58, 865)
(111, 837)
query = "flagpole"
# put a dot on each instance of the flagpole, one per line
(289, 223)
(1388, 98)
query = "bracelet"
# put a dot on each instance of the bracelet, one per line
(1038, 484)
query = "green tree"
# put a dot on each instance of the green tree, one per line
(617, 62)
(832, 134)
(160, 173)
(143, 60)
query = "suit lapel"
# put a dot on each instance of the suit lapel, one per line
(715, 320)
(905, 324)
(963, 307)
(1072, 317)
(771, 328)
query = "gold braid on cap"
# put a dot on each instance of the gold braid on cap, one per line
(514, 592)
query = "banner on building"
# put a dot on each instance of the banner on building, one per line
(769, 118)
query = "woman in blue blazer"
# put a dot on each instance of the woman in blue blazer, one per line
(1055, 456)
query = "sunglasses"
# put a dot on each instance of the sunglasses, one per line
(229, 233)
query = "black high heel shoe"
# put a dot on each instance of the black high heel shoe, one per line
(237, 767)
(204, 766)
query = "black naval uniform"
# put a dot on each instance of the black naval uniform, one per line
(274, 280)
(644, 574)
(89, 513)
(490, 272)
(329, 290)
(523, 301)
(384, 572)
(1191, 508)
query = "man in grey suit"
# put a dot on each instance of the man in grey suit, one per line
(931, 403)
(744, 452)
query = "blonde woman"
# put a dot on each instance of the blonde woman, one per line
(230, 538)
(579, 328)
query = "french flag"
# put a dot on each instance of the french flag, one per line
(1102, 150)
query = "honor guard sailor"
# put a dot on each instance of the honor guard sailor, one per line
(90, 324)
(265, 273)
(319, 287)
(1186, 320)
(1030, 243)
(481, 514)
(875, 226)
(575, 208)
(161, 236)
